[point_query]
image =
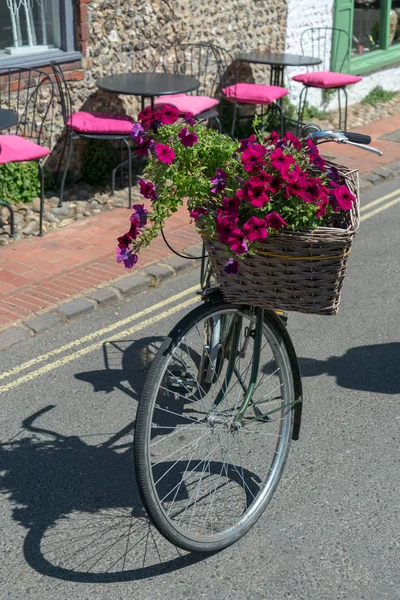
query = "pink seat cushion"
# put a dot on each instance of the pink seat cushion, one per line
(100, 123)
(254, 93)
(327, 79)
(185, 103)
(14, 148)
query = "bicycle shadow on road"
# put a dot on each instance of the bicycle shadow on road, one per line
(372, 368)
(125, 362)
(78, 499)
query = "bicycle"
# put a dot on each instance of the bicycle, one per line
(220, 406)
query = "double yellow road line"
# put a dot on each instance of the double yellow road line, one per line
(122, 328)
(135, 323)
(382, 203)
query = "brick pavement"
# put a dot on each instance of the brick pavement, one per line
(37, 274)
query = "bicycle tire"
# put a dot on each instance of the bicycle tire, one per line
(170, 383)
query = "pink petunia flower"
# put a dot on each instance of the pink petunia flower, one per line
(124, 240)
(147, 189)
(231, 205)
(225, 225)
(138, 133)
(255, 229)
(253, 158)
(128, 257)
(281, 161)
(343, 198)
(167, 114)
(188, 138)
(146, 117)
(275, 221)
(244, 144)
(165, 154)
(188, 118)
(197, 212)
(290, 139)
(237, 241)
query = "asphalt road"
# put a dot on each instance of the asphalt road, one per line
(71, 520)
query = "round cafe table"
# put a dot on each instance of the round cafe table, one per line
(148, 85)
(8, 119)
(278, 62)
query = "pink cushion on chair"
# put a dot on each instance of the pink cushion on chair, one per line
(100, 123)
(326, 79)
(185, 103)
(14, 148)
(254, 93)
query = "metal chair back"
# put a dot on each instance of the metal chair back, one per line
(209, 64)
(30, 94)
(64, 94)
(326, 43)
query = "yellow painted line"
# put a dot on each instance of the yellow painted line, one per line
(380, 209)
(99, 333)
(378, 201)
(83, 351)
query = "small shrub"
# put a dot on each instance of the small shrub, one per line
(19, 182)
(377, 96)
(98, 160)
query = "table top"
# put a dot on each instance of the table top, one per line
(7, 119)
(147, 84)
(279, 60)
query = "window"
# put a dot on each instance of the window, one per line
(374, 28)
(34, 32)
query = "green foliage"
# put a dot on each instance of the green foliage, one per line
(377, 96)
(19, 182)
(327, 95)
(98, 160)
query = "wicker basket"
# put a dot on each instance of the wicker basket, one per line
(299, 271)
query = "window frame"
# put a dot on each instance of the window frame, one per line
(372, 61)
(67, 53)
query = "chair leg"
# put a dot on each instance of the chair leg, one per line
(41, 176)
(233, 119)
(340, 110)
(302, 102)
(62, 156)
(65, 170)
(346, 102)
(129, 172)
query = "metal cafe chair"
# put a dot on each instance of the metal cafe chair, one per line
(90, 125)
(21, 92)
(332, 45)
(201, 61)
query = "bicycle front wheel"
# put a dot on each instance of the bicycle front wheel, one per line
(206, 471)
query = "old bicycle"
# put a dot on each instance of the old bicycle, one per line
(220, 406)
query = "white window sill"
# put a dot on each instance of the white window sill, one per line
(34, 59)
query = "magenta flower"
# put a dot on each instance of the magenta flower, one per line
(296, 183)
(144, 147)
(321, 212)
(167, 114)
(128, 257)
(188, 138)
(253, 157)
(244, 144)
(315, 191)
(231, 205)
(198, 211)
(165, 154)
(231, 267)
(280, 161)
(289, 138)
(135, 228)
(237, 241)
(225, 226)
(140, 214)
(124, 240)
(147, 189)
(314, 155)
(254, 193)
(188, 118)
(341, 197)
(146, 117)
(272, 139)
(255, 229)
(219, 181)
(138, 133)
(274, 221)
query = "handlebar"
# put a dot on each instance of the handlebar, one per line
(359, 140)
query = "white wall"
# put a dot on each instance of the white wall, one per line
(314, 13)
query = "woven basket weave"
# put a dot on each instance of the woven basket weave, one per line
(299, 271)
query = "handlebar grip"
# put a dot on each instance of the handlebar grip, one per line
(357, 138)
